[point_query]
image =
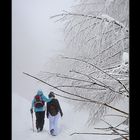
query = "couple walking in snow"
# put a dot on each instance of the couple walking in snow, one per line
(53, 111)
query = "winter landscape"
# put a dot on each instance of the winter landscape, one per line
(79, 49)
(71, 122)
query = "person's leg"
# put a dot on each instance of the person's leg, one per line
(42, 116)
(51, 123)
(56, 118)
(37, 119)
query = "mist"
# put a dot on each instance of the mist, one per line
(35, 39)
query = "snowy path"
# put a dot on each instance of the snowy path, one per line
(70, 123)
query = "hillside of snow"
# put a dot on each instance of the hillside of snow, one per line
(70, 122)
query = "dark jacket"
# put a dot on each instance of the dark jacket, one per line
(58, 108)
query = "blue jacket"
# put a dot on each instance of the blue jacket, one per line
(43, 98)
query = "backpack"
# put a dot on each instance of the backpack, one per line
(38, 101)
(53, 109)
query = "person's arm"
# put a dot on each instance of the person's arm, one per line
(47, 110)
(46, 99)
(61, 113)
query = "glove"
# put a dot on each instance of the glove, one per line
(31, 110)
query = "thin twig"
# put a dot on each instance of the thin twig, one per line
(83, 87)
(90, 16)
(108, 129)
(116, 115)
(113, 129)
(104, 85)
(97, 133)
(71, 98)
(97, 102)
(76, 79)
(99, 70)
(120, 123)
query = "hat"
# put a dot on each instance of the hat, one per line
(51, 94)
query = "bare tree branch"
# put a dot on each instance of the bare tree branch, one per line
(108, 129)
(97, 134)
(104, 85)
(71, 98)
(116, 115)
(113, 129)
(80, 80)
(83, 87)
(99, 70)
(97, 102)
(121, 123)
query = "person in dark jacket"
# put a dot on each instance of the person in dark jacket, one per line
(54, 112)
(39, 110)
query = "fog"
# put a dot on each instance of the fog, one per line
(35, 39)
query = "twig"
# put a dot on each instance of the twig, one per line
(90, 16)
(97, 102)
(71, 98)
(104, 85)
(113, 129)
(83, 87)
(121, 123)
(116, 115)
(97, 133)
(99, 70)
(108, 128)
(76, 79)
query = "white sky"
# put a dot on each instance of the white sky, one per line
(35, 38)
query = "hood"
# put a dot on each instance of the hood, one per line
(39, 92)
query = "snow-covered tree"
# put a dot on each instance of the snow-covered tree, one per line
(95, 64)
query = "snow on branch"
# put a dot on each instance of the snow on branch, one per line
(99, 70)
(105, 17)
(103, 84)
(93, 101)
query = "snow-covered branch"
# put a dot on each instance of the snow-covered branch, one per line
(93, 101)
(99, 70)
(107, 18)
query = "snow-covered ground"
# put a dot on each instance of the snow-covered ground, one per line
(70, 122)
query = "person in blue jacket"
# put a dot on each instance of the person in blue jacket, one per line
(38, 104)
